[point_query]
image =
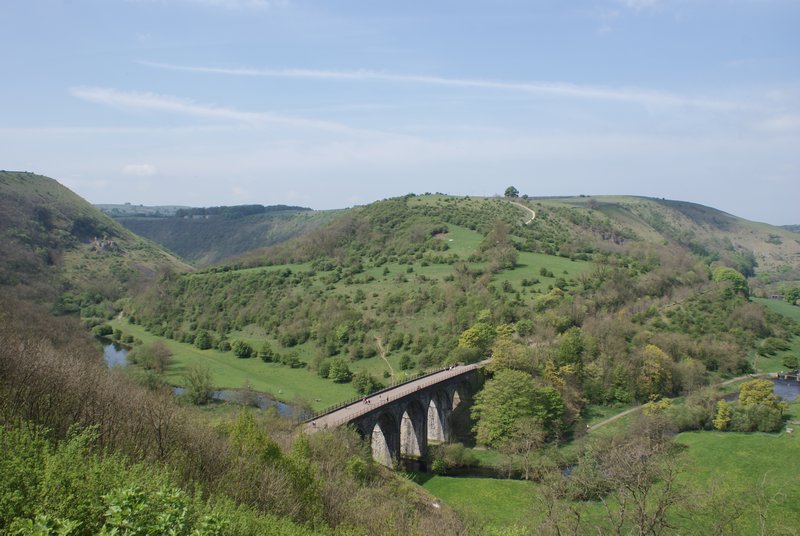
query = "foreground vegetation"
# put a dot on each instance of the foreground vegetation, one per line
(101, 451)
(727, 485)
(595, 303)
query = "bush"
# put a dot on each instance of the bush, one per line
(267, 354)
(103, 330)
(756, 417)
(203, 340)
(365, 383)
(339, 371)
(198, 385)
(242, 350)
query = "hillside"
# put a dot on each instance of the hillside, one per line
(55, 246)
(408, 283)
(202, 237)
(750, 247)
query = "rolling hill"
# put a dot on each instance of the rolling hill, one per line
(392, 287)
(53, 243)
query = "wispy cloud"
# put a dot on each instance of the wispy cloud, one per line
(135, 100)
(560, 89)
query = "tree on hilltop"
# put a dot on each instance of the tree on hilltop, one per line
(511, 192)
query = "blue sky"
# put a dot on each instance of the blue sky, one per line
(333, 103)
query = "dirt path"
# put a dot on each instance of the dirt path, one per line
(382, 353)
(533, 214)
(638, 408)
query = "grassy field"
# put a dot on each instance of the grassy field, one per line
(780, 306)
(493, 501)
(758, 470)
(775, 363)
(230, 372)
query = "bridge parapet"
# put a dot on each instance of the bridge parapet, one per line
(400, 420)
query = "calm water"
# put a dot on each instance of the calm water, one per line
(254, 399)
(788, 390)
(115, 355)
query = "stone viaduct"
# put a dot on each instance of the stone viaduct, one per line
(402, 420)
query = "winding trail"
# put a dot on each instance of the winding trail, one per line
(638, 408)
(382, 353)
(523, 207)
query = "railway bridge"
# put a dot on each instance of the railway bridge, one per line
(400, 421)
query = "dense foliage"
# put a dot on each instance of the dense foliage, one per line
(640, 321)
(94, 451)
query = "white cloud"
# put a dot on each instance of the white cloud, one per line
(139, 170)
(561, 89)
(136, 100)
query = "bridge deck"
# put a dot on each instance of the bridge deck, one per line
(374, 402)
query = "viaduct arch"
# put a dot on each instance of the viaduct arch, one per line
(401, 421)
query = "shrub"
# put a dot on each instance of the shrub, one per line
(242, 349)
(103, 330)
(339, 371)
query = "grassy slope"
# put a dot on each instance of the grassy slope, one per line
(46, 232)
(286, 383)
(776, 249)
(775, 363)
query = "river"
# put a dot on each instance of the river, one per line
(787, 390)
(115, 355)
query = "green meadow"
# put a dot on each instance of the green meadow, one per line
(230, 372)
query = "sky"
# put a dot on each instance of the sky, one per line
(334, 103)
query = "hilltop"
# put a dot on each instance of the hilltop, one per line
(56, 246)
(210, 235)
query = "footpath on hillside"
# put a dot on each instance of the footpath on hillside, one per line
(523, 207)
(639, 407)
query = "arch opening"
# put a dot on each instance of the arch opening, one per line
(438, 418)
(413, 431)
(383, 441)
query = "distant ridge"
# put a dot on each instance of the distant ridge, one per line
(181, 211)
(207, 235)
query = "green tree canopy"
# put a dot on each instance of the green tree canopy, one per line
(203, 340)
(511, 192)
(505, 399)
(758, 392)
(242, 349)
(479, 336)
(339, 371)
(737, 281)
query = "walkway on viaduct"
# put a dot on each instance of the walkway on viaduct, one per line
(402, 420)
